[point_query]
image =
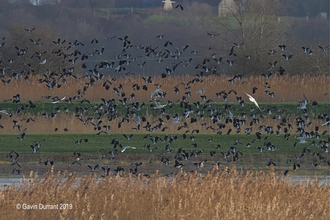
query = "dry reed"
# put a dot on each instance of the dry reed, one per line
(220, 194)
(290, 88)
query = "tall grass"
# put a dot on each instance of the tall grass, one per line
(287, 88)
(220, 194)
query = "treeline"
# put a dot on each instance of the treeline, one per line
(293, 8)
(207, 36)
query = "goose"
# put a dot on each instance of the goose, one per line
(6, 82)
(137, 122)
(142, 64)
(94, 40)
(58, 100)
(59, 42)
(271, 163)
(324, 49)
(261, 149)
(35, 41)
(238, 45)
(299, 157)
(38, 143)
(14, 157)
(305, 49)
(81, 141)
(281, 71)
(296, 166)
(128, 137)
(327, 123)
(159, 106)
(200, 164)
(212, 35)
(158, 93)
(29, 30)
(17, 98)
(176, 119)
(201, 91)
(100, 132)
(253, 100)
(166, 160)
(230, 62)
(178, 164)
(35, 148)
(212, 153)
(119, 170)
(136, 164)
(287, 57)
(236, 156)
(231, 52)
(106, 170)
(22, 135)
(6, 112)
(168, 43)
(302, 104)
(218, 61)
(272, 52)
(51, 162)
(302, 140)
(16, 170)
(85, 122)
(150, 149)
(187, 113)
(93, 168)
(42, 61)
(225, 156)
(78, 159)
(97, 125)
(179, 6)
(282, 47)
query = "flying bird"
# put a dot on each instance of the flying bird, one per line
(253, 100)
(125, 148)
(179, 6)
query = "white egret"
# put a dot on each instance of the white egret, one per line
(253, 100)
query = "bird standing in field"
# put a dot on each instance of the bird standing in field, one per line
(253, 100)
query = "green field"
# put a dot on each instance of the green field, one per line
(241, 149)
(60, 147)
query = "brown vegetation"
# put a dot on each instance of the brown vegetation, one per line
(220, 194)
(286, 88)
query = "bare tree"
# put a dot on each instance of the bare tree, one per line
(33, 50)
(252, 27)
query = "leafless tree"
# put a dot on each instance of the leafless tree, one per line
(252, 27)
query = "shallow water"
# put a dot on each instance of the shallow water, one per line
(18, 182)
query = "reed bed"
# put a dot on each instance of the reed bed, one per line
(73, 125)
(220, 194)
(286, 88)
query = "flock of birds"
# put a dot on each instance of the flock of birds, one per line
(106, 110)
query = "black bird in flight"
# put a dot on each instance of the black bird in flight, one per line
(179, 6)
